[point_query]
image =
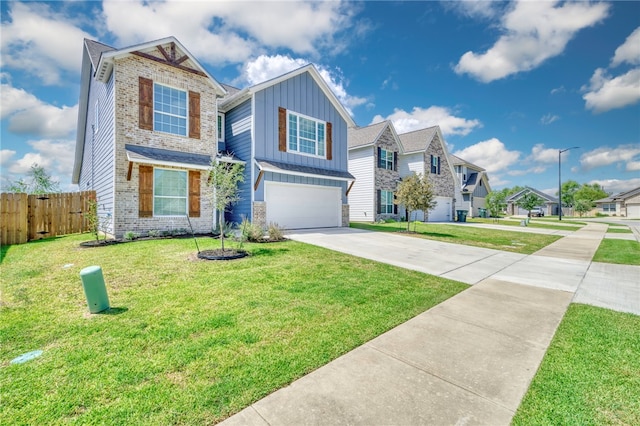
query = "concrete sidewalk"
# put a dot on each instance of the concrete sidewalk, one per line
(468, 360)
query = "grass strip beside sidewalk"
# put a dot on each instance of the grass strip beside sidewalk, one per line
(512, 241)
(590, 374)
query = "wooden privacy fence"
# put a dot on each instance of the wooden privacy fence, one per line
(33, 217)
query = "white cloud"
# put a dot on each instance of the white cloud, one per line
(540, 154)
(605, 93)
(474, 8)
(549, 118)
(606, 156)
(491, 155)
(27, 43)
(5, 156)
(615, 186)
(420, 118)
(29, 115)
(55, 156)
(534, 31)
(560, 89)
(220, 32)
(633, 166)
(264, 68)
(629, 51)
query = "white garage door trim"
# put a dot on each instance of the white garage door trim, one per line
(633, 211)
(442, 212)
(298, 206)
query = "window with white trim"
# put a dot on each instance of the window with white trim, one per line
(386, 159)
(169, 192)
(169, 110)
(220, 127)
(305, 135)
(609, 207)
(386, 202)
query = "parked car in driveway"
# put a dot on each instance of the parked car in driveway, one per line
(537, 212)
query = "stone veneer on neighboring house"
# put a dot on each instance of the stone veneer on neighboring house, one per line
(385, 179)
(443, 183)
(127, 131)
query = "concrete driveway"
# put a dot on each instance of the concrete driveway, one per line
(468, 360)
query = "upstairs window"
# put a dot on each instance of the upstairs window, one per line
(220, 127)
(385, 159)
(435, 165)
(306, 135)
(169, 110)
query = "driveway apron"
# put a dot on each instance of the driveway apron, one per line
(468, 360)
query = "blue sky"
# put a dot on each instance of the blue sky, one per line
(509, 83)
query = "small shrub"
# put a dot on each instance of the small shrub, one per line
(166, 233)
(390, 221)
(130, 236)
(179, 231)
(227, 229)
(275, 231)
(155, 233)
(598, 214)
(251, 231)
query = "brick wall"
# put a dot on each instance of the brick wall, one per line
(444, 183)
(385, 179)
(127, 131)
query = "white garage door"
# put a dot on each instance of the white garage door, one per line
(295, 206)
(633, 210)
(442, 212)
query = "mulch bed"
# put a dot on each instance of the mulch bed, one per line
(219, 254)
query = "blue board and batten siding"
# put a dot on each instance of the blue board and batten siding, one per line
(97, 172)
(238, 140)
(300, 94)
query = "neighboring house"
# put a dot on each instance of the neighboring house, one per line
(149, 127)
(549, 206)
(292, 133)
(474, 186)
(373, 161)
(146, 135)
(625, 204)
(425, 153)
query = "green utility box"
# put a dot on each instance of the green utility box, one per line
(461, 215)
(482, 212)
(94, 289)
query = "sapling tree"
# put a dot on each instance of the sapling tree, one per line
(415, 193)
(224, 178)
(529, 201)
(39, 182)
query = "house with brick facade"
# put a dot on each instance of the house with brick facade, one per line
(373, 161)
(379, 158)
(425, 153)
(474, 186)
(626, 204)
(152, 119)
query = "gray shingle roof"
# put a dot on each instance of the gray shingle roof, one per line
(95, 49)
(457, 161)
(296, 168)
(363, 136)
(165, 155)
(230, 89)
(548, 198)
(418, 140)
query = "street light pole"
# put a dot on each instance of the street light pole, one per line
(560, 151)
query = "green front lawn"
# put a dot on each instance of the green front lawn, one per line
(618, 230)
(186, 341)
(533, 223)
(623, 252)
(590, 374)
(517, 242)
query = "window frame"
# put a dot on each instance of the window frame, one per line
(383, 202)
(297, 146)
(96, 117)
(220, 128)
(186, 110)
(186, 196)
(386, 163)
(606, 207)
